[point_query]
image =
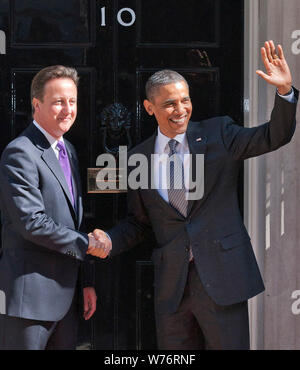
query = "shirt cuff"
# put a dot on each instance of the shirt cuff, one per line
(108, 236)
(290, 97)
(110, 240)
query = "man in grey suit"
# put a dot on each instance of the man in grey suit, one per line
(42, 272)
(204, 266)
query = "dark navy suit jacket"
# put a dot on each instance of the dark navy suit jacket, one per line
(214, 227)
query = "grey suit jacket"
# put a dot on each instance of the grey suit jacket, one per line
(214, 227)
(41, 247)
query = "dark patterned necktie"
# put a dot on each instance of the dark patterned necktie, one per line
(65, 165)
(176, 192)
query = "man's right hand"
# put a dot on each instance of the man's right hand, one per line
(99, 244)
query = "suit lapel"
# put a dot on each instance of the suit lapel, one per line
(50, 159)
(75, 182)
(197, 145)
(148, 150)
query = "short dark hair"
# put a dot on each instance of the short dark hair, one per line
(49, 73)
(160, 78)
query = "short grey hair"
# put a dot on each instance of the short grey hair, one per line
(49, 73)
(160, 78)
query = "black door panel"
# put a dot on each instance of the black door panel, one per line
(116, 45)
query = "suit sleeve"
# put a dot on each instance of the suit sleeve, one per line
(243, 143)
(24, 204)
(133, 230)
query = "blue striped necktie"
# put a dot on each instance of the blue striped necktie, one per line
(176, 192)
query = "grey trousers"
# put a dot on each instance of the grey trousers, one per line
(24, 334)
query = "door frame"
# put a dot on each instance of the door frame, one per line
(254, 168)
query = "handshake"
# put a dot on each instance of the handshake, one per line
(99, 244)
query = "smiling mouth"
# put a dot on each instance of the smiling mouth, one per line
(179, 121)
(65, 119)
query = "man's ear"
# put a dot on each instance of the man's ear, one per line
(148, 106)
(36, 104)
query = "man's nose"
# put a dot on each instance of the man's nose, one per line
(67, 107)
(180, 108)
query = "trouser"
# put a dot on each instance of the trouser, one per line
(199, 323)
(25, 334)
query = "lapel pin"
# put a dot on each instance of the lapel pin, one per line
(199, 139)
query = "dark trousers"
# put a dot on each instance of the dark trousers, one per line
(24, 334)
(199, 323)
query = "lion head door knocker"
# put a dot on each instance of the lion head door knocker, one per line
(115, 128)
(110, 175)
(115, 135)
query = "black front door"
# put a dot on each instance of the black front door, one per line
(116, 45)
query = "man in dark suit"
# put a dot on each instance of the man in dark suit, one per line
(41, 267)
(204, 266)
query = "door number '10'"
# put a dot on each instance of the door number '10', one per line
(119, 17)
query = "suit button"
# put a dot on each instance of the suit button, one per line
(187, 249)
(70, 253)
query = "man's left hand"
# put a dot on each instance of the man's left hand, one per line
(277, 69)
(89, 302)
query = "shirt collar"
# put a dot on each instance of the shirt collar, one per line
(162, 141)
(50, 138)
